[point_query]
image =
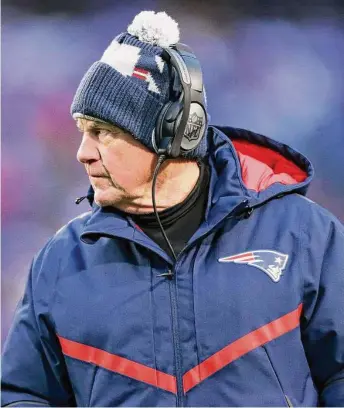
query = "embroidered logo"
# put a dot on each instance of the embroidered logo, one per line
(125, 58)
(270, 262)
(144, 74)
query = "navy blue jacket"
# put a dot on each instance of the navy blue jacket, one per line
(254, 315)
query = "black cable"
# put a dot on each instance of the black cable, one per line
(161, 159)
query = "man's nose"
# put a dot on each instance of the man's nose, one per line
(87, 151)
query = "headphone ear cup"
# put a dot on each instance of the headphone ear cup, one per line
(167, 125)
(158, 134)
(195, 127)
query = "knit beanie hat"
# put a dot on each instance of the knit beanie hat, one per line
(131, 83)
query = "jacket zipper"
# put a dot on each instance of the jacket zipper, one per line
(176, 342)
(175, 330)
(288, 400)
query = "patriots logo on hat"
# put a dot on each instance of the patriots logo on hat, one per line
(145, 75)
(270, 262)
(125, 58)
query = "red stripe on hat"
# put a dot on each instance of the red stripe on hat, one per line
(140, 73)
(139, 76)
(141, 70)
(118, 364)
(240, 347)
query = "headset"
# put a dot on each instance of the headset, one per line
(181, 124)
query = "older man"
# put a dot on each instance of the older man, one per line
(211, 282)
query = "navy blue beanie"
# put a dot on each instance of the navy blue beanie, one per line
(131, 83)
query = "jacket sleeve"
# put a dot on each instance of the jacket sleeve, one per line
(33, 368)
(323, 323)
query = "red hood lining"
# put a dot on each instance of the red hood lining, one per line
(261, 166)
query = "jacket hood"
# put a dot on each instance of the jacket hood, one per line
(255, 166)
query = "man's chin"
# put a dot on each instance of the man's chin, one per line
(106, 197)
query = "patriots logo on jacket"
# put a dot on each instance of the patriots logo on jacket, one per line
(270, 262)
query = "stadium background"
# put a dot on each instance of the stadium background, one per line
(275, 67)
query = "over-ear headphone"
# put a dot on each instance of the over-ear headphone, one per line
(181, 124)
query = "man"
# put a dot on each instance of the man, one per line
(250, 313)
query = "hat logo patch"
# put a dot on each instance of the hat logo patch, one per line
(124, 58)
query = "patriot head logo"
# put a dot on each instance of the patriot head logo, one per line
(270, 262)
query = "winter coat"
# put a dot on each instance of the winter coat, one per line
(254, 315)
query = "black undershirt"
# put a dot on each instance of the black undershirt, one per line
(181, 221)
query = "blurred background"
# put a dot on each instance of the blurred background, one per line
(274, 67)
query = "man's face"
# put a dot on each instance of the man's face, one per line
(119, 167)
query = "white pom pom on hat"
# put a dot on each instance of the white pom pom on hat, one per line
(155, 28)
